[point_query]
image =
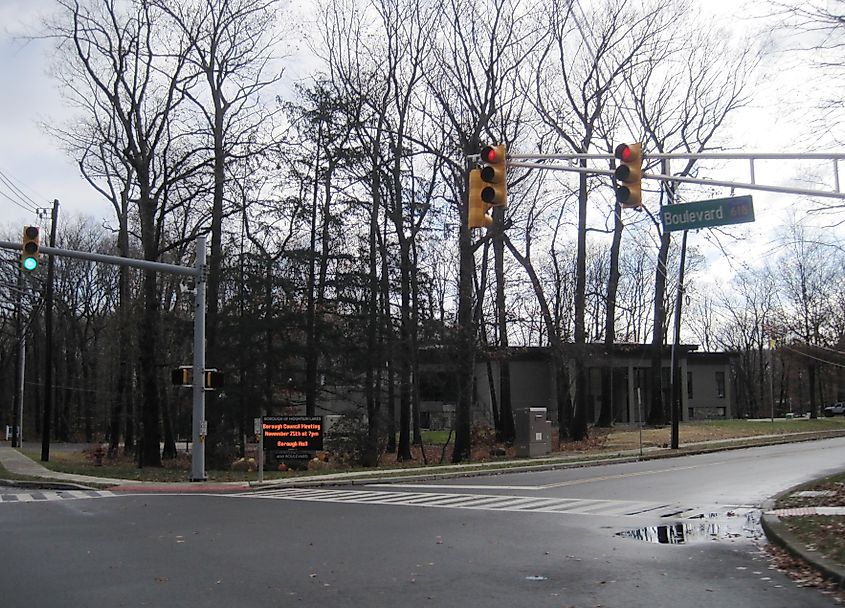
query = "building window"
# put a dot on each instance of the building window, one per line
(438, 386)
(720, 385)
(689, 385)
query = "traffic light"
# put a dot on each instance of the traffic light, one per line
(477, 213)
(29, 247)
(629, 175)
(214, 379)
(495, 189)
(180, 376)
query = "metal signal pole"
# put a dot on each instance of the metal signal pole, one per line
(48, 338)
(199, 424)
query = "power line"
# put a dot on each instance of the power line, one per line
(809, 356)
(14, 202)
(13, 183)
(19, 197)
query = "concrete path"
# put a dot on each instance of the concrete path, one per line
(19, 464)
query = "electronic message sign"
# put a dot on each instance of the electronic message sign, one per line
(292, 433)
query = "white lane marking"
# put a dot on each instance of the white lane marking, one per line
(53, 495)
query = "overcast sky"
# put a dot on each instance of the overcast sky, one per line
(28, 96)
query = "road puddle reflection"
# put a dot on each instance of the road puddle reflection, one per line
(730, 526)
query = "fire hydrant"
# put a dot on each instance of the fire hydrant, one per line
(99, 454)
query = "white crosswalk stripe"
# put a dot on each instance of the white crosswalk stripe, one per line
(486, 502)
(53, 495)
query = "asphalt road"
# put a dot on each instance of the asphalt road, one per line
(531, 539)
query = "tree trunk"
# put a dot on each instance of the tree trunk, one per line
(507, 432)
(606, 414)
(465, 347)
(657, 407)
(579, 419)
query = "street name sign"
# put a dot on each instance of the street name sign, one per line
(706, 214)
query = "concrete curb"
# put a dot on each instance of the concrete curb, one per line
(779, 534)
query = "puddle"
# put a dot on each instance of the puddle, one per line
(732, 526)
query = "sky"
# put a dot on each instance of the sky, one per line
(28, 96)
(36, 165)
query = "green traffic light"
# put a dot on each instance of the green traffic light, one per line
(30, 264)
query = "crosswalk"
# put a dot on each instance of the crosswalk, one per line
(53, 495)
(486, 502)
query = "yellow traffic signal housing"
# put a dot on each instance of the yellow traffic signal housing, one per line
(477, 209)
(180, 376)
(629, 175)
(493, 174)
(30, 244)
(214, 379)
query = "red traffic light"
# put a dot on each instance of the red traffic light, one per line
(624, 152)
(490, 154)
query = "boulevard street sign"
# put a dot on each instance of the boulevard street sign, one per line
(705, 214)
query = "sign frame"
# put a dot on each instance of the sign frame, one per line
(292, 433)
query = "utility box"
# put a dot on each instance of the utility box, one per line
(533, 433)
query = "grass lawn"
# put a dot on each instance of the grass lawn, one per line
(714, 430)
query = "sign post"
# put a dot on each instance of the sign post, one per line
(259, 431)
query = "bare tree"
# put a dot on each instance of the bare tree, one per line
(809, 276)
(113, 52)
(683, 99)
(473, 101)
(230, 47)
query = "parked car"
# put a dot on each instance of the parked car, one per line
(837, 409)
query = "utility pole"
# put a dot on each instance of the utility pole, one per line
(48, 331)
(20, 368)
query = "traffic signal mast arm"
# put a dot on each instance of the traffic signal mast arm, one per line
(752, 157)
(187, 271)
